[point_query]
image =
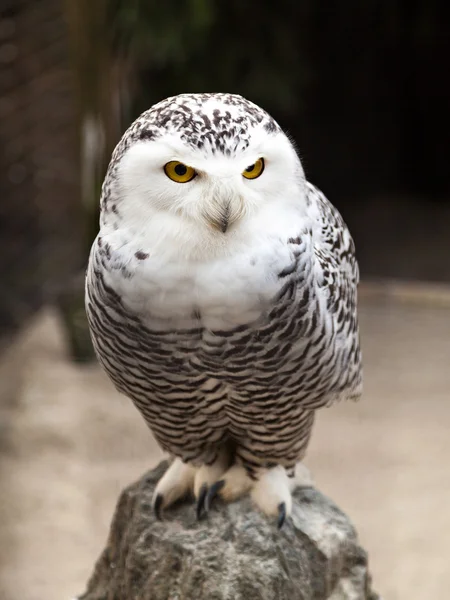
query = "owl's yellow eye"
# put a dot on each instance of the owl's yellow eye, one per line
(254, 170)
(179, 172)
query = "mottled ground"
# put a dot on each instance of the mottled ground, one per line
(69, 444)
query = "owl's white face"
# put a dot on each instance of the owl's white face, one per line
(206, 193)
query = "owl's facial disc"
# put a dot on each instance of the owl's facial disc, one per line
(202, 165)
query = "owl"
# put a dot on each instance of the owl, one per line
(221, 298)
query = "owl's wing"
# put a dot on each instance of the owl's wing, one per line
(337, 277)
(333, 246)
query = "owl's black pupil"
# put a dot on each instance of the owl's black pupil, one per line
(250, 168)
(180, 170)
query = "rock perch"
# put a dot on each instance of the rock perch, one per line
(235, 553)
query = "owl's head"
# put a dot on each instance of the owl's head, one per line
(206, 161)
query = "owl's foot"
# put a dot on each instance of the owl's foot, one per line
(271, 491)
(176, 483)
(206, 476)
(234, 483)
(181, 479)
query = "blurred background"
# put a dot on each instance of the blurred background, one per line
(362, 89)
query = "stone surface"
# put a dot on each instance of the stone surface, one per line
(235, 553)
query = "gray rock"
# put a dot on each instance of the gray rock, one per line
(235, 553)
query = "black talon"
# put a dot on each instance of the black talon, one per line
(212, 493)
(201, 501)
(157, 506)
(281, 514)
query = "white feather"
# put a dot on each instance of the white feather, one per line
(228, 277)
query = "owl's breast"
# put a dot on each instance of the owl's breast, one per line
(222, 293)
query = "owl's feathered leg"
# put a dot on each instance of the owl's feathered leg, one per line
(235, 483)
(207, 475)
(181, 479)
(271, 491)
(176, 483)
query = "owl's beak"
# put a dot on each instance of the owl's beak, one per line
(221, 219)
(223, 213)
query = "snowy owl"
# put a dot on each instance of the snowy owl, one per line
(221, 297)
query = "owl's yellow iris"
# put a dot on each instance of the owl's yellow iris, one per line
(179, 172)
(254, 170)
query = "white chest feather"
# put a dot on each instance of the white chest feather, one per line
(170, 280)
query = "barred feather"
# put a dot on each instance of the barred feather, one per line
(253, 385)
